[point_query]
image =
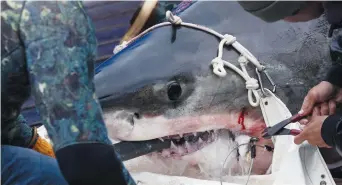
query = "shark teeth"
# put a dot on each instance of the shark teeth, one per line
(173, 146)
(185, 143)
(194, 134)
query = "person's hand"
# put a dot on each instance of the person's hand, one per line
(312, 10)
(312, 132)
(319, 103)
(321, 100)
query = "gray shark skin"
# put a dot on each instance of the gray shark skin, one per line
(134, 86)
(162, 85)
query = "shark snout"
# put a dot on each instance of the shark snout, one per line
(128, 116)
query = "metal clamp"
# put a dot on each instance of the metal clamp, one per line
(269, 79)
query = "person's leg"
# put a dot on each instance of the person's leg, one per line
(25, 166)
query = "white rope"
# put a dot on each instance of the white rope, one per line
(173, 19)
(218, 68)
(218, 63)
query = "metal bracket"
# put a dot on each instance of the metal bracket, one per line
(269, 79)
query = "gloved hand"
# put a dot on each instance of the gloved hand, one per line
(41, 145)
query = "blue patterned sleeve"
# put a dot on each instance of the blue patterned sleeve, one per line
(60, 47)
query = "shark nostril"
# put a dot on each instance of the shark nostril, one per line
(174, 91)
(136, 115)
(130, 119)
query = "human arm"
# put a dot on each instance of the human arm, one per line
(60, 47)
(331, 132)
(335, 75)
(15, 86)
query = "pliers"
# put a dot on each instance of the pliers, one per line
(279, 129)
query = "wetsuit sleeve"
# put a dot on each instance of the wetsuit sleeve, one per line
(332, 132)
(335, 75)
(60, 47)
(14, 128)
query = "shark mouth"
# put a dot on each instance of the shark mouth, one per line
(185, 134)
(187, 143)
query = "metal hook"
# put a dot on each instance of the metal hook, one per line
(269, 79)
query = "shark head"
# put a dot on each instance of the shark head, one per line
(162, 84)
(172, 92)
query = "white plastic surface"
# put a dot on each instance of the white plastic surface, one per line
(292, 164)
(146, 178)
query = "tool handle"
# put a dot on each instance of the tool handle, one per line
(294, 132)
(131, 149)
(296, 118)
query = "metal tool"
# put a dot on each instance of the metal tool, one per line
(131, 149)
(279, 129)
(283, 131)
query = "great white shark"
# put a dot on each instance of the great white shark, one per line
(162, 86)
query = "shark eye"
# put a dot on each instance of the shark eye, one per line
(174, 91)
